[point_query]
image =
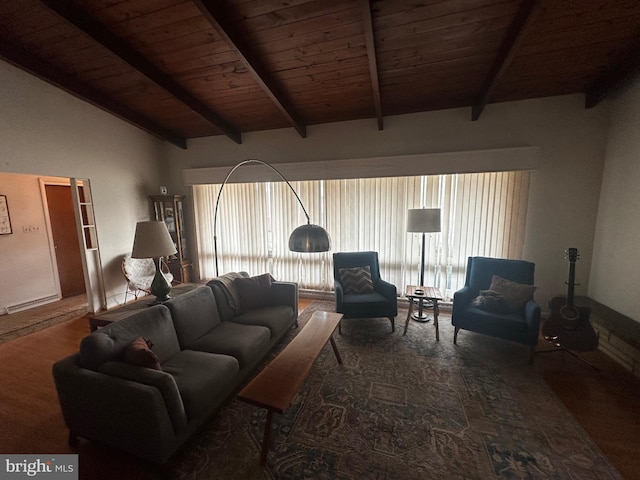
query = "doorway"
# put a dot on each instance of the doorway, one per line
(65, 239)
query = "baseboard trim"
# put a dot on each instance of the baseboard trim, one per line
(18, 307)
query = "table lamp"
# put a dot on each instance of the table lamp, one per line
(152, 240)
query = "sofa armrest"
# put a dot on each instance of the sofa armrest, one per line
(532, 317)
(387, 289)
(163, 381)
(461, 300)
(339, 293)
(121, 413)
(285, 293)
(463, 297)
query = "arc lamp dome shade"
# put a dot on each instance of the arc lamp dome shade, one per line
(309, 238)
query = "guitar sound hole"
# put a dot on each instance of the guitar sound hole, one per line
(569, 313)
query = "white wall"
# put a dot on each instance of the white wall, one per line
(26, 265)
(564, 189)
(615, 273)
(46, 132)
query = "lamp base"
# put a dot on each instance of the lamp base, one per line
(159, 286)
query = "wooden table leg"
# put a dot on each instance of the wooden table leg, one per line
(406, 324)
(335, 350)
(436, 311)
(265, 438)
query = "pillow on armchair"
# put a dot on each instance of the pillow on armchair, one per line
(514, 294)
(356, 280)
(491, 301)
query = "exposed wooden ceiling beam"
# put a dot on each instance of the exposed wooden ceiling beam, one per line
(214, 12)
(373, 62)
(122, 49)
(517, 31)
(615, 78)
(46, 71)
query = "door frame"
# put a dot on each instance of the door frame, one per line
(44, 181)
(93, 297)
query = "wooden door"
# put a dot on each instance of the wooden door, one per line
(65, 238)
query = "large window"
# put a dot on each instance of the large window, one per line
(482, 214)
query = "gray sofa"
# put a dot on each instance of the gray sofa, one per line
(205, 346)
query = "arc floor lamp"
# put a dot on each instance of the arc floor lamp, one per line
(423, 220)
(306, 238)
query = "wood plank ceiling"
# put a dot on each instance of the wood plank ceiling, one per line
(182, 69)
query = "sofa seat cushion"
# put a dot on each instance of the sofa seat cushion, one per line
(355, 299)
(202, 378)
(247, 343)
(490, 321)
(277, 319)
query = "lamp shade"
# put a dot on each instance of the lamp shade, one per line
(309, 238)
(152, 240)
(423, 220)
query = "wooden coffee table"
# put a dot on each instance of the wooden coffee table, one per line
(277, 384)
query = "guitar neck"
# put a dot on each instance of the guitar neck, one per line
(571, 283)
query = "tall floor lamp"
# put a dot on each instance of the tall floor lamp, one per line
(423, 220)
(305, 238)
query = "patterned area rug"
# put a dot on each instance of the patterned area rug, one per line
(404, 407)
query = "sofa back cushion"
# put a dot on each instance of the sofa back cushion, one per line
(194, 314)
(109, 343)
(254, 292)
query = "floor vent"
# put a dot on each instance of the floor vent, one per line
(18, 307)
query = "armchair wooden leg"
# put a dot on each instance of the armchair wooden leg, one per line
(393, 324)
(455, 335)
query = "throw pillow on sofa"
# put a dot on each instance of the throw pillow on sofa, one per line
(254, 292)
(139, 353)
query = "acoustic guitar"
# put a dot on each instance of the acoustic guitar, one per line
(568, 325)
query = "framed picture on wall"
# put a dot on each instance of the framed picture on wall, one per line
(5, 220)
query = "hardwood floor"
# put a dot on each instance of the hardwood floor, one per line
(605, 402)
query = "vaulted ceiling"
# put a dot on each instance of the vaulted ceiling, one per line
(184, 69)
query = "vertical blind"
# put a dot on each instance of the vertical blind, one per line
(482, 214)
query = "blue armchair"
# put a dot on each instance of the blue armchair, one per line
(360, 292)
(519, 321)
